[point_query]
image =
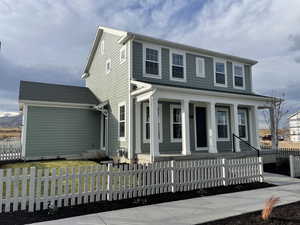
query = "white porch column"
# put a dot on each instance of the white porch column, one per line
(185, 123)
(138, 136)
(212, 131)
(254, 127)
(154, 144)
(235, 125)
(273, 128)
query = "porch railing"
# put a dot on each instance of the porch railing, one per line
(245, 142)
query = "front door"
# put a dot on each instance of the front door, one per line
(200, 128)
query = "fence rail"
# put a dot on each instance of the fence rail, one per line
(37, 189)
(10, 150)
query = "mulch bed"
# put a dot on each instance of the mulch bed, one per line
(281, 167)
(281, 215)
(22, 217)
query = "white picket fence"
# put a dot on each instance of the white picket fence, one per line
(37, 189)
(10, 150)
(294, 166)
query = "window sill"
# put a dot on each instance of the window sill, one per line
(176, 140)
(178, 79)
(223, 139)
(152, 76)
(221, 85)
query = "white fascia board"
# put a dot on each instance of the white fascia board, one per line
(55, 104)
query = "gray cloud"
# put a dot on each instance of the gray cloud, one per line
(295, 45)
(297, 59)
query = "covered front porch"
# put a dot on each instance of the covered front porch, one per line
(179, 123)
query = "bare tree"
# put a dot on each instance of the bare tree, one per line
(279, 106)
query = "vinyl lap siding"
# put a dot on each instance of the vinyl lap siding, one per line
(192, 80)
(112, 87)
(54, 132)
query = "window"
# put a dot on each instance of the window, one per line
(200, 67)
(108, 66)
(243, 129)
(123, 54)
(102, 47)
(103, 131)
(177, 67)
(146, 123)
(122, 121)
(220, 73)
(176, 132)
(222, 124)
(238, 74)
(151, 65)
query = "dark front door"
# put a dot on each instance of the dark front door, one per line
(201, 131)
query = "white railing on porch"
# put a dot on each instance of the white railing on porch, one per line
(36, 189)
(10, 150)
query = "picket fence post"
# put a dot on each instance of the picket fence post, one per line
(32, 189)
(225, 171)
(173, 176)
(109, 182)
(261, 169)
(292, 165)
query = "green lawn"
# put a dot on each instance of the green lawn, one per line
(50, 164)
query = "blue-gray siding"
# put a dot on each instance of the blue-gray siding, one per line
(113, 87)
(192, 80)
(57, 132)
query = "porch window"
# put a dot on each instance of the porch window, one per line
(238, 73)
(146, 122)
(122, 121)
(176, 129)
(220, 73)
(243, 124)
(177, 67)
(152, 62)
(222, 117)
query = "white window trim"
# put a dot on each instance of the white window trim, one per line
(103, 120)
(108, 61)
(199, 73)
(174, 140)
(125, 120)
(123, 49)
(178, 52)
(225, 72)
(102, 47)
(145, 140)
(246, 123)
(243, 76)
(144, 61)
(218, 109)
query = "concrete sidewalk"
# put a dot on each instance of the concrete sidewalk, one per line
(193, 211)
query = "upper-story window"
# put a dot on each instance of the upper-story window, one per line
(123, 54)
(102, 47)
(152, 62)
(108, 66)
(220, 73)
(200, 67)
(177, 66)
(239, 77)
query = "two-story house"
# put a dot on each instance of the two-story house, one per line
(146, 98)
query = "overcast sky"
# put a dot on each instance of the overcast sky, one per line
(49, 41)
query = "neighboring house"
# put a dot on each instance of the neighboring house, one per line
(146, 98)
(294, 127)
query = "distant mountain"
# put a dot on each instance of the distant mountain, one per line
(10, 119)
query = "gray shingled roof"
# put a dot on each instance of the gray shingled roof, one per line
(35, 91)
